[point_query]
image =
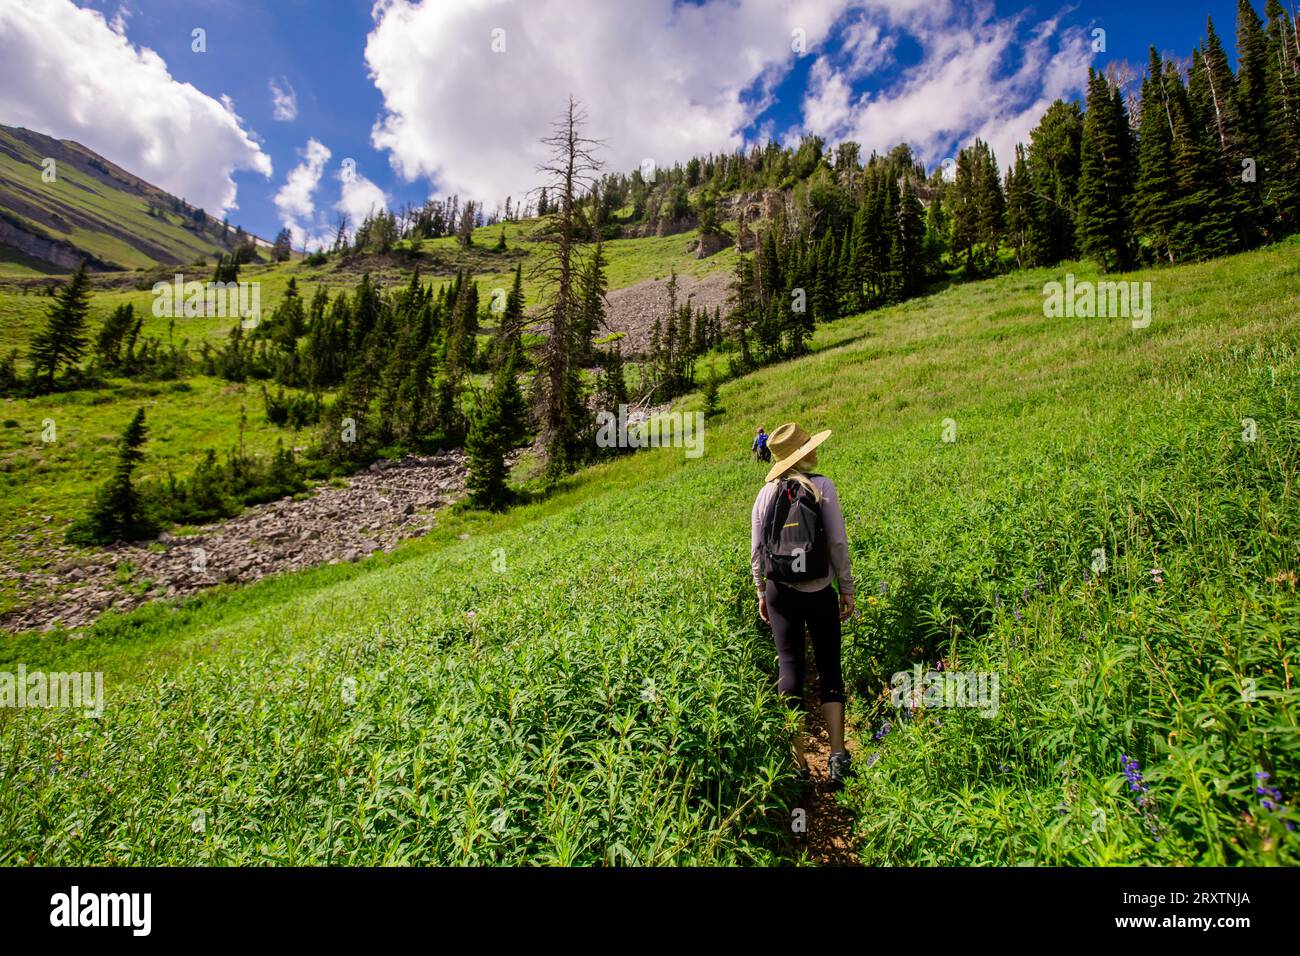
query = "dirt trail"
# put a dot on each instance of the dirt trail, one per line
(829, 840)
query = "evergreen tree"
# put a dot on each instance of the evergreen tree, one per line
(1157, 187)
(1102, 220)
(282, 247)
(118, 512)
(712, 407)
(112, 336)
(1202, 223)
(63, 341)
(1054, 160)
(492, 433)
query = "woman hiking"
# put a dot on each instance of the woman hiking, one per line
(798, 549)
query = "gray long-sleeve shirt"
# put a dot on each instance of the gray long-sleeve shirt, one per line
(837, 539)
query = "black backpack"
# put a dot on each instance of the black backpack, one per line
(794, 538)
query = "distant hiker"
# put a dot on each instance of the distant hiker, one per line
(759, 448)
(798, 548)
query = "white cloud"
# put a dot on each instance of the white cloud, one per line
(296, 198)
(284, 101)
(659, 79)
(359, 197)
(979, 76)
(69, 74)
(118, 23)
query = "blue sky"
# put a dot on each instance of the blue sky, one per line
(417, 97)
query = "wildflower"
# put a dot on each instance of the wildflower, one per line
(1155, 575)
(1087, 577)
(1133, 773)
(1024, 596)
(872, 758)
(884, 589)
(1018, 617)
(882, 732)
(1271, 797)
(871, 599)
(1040, 580)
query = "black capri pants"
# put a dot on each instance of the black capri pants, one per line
(791, 610)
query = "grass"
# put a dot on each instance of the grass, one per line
(57, 449)
(109, 222)
(582, 679)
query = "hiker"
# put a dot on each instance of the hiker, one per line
(798, 548)
(759, 448)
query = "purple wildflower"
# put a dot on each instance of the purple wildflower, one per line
(1271, 797)
(1133, 773)
(882, 732)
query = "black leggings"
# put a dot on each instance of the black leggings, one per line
(791, 610)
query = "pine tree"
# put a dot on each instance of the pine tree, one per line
(591, 303)
(118, 512)
(1283, 118)
(712, 407)
(1157, 187)
(1202, 223)
(63, 341)
(488, 439)
(1021, 210)
(112, 335)
(1054, 161)
(1102, 220)
(282, 248)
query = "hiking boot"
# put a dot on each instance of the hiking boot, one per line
(838, 767)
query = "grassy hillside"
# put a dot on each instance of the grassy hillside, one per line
(582, 680)
(92, 208)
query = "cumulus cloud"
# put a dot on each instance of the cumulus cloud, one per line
(979, 76)
(359, 197)
(284, 101)
(68, 73)
(660, 80)
(296, 198)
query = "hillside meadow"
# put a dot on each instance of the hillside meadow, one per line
(583, 680)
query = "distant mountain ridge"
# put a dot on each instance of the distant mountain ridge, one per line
(94, 210)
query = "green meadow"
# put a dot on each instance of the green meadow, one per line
(583, 679)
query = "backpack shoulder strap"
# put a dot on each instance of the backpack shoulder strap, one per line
(777, 511)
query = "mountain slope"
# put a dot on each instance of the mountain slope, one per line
(581, 680)
(93, 210)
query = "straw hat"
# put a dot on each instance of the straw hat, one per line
(789, 445)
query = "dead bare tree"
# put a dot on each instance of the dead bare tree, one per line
(570, 171)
